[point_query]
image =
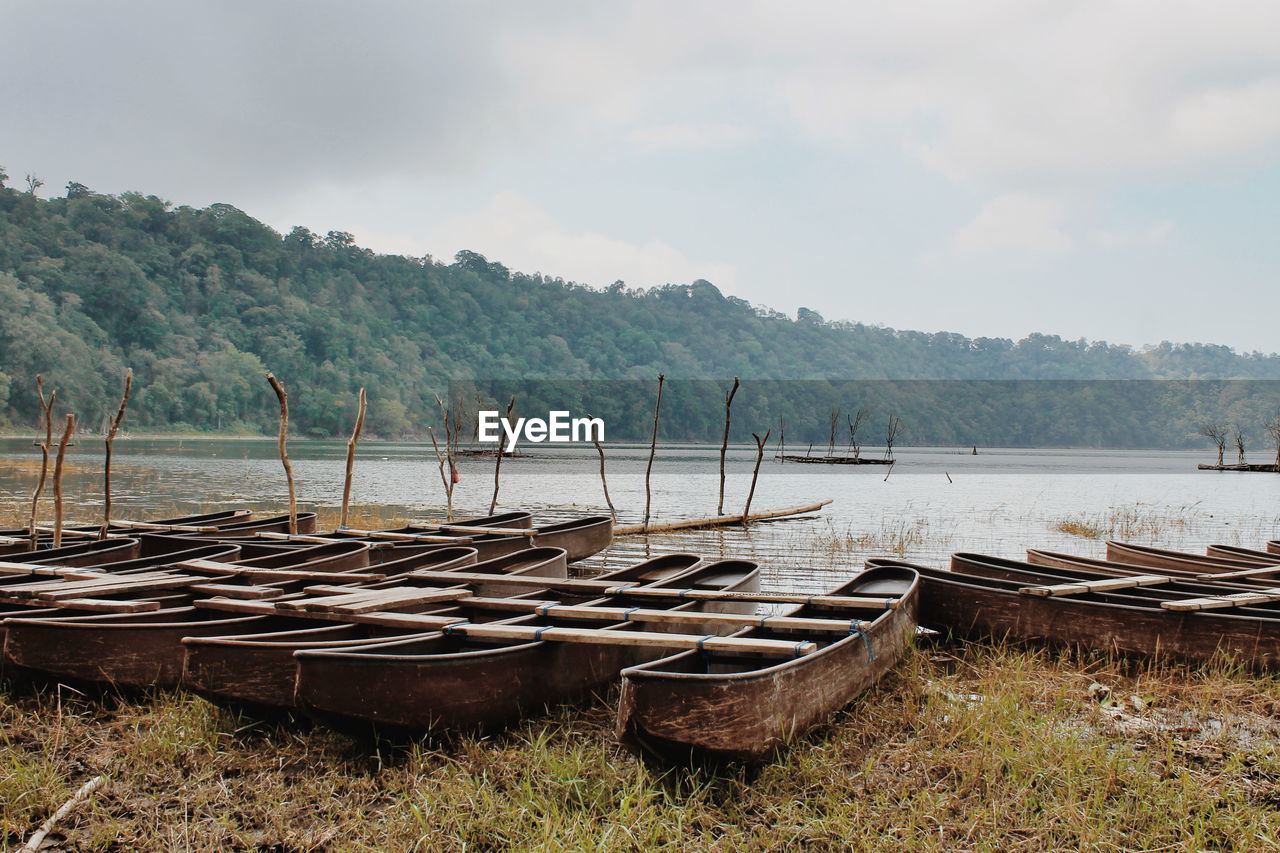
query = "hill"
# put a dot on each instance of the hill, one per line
(200, 302)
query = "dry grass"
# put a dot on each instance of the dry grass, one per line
(976, 748)
(1139, 522)
(896, 536)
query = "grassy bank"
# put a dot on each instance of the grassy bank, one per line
(964, 748)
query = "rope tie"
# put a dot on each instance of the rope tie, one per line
(797, 651)
(626, 615)
(764, 620)
(856, 628)
(537, 635)
(703, 640)
(449, 629)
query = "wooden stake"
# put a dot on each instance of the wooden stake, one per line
(497, 465)
(603, 482)
(113, 428)
(46, 413)
(760, 442)
(351, 457)
(724, 443)
(447, 478)
(653, 448)
(57, 479)
(284, 452)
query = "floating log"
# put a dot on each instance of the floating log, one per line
(835, 460)
(719, 520)
(1266, 469)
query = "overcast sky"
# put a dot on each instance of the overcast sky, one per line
(1090, 169)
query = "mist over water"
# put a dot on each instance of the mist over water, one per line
(932, 502)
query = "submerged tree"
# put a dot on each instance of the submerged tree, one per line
(1217, 433)
(1239, 441)
(1272, 426)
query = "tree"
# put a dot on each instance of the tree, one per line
(1216, 433)
(33, 184)
(1239, 441)
(1272, 426)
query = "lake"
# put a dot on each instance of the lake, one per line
(932, 502)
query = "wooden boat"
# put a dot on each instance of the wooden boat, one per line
(1273, 547)
(81, 554)
(145, 649)
(269, 524)
(1158, 558)
(446, 682)
(581, 537)
(1236, 552)
(1053, 559)
(258, 671)
(15, 540)
(979, 599)
(714, 707)
(10, 606)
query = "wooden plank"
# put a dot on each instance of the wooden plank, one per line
(1222, 602)
(10, 568)
(175, 582)
(1082, 587)
(357, 535)
(718, 520)
(91, 582)
(476, 531)
(228, 569)
(524, 633)
(374, 600)
(176, 528)
(1242, 573)
(245, 591)
(107, 606)
(666, 617)
(638, 590)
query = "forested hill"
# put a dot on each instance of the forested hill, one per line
(201, 302)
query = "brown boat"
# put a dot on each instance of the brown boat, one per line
(1054, 559)
(979, 599)
(707, 706)
(1158, 558)
(145, 649)
(81, 554)
(1273, 547)
(80, 532)
(447, 682)
(1236, 552)
(580, 537)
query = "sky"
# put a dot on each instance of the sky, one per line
(1105, 170)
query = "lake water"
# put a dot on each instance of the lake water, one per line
(932, 502)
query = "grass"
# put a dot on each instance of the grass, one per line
(966, 748)
(1134, 522)
(894, 536)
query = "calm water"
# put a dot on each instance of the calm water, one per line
(934, 501)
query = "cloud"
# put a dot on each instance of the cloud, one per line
(688, 135)
(1015, 221)
(1152, 235)
(513, 230)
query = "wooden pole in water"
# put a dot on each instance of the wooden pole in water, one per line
(653, 448)
(361, 405)
(497, 466)
(283, 397)
(112, 429)
(603, 482)
(724, 444)
(760, 442)
(447, 457)
(46, 412)
(57, 479)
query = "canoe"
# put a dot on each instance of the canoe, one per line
(145, 649)
(1158, 558)
(1234, 551)
(1273, 547)
(79, 532)
(434, 682)
(269, 524)
(979, 600)
(581, 538)
(30, 609)
(257, 670)
(712, 707)
(1054, 559)
(81, 554)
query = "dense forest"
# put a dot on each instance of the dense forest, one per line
(201, 302)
